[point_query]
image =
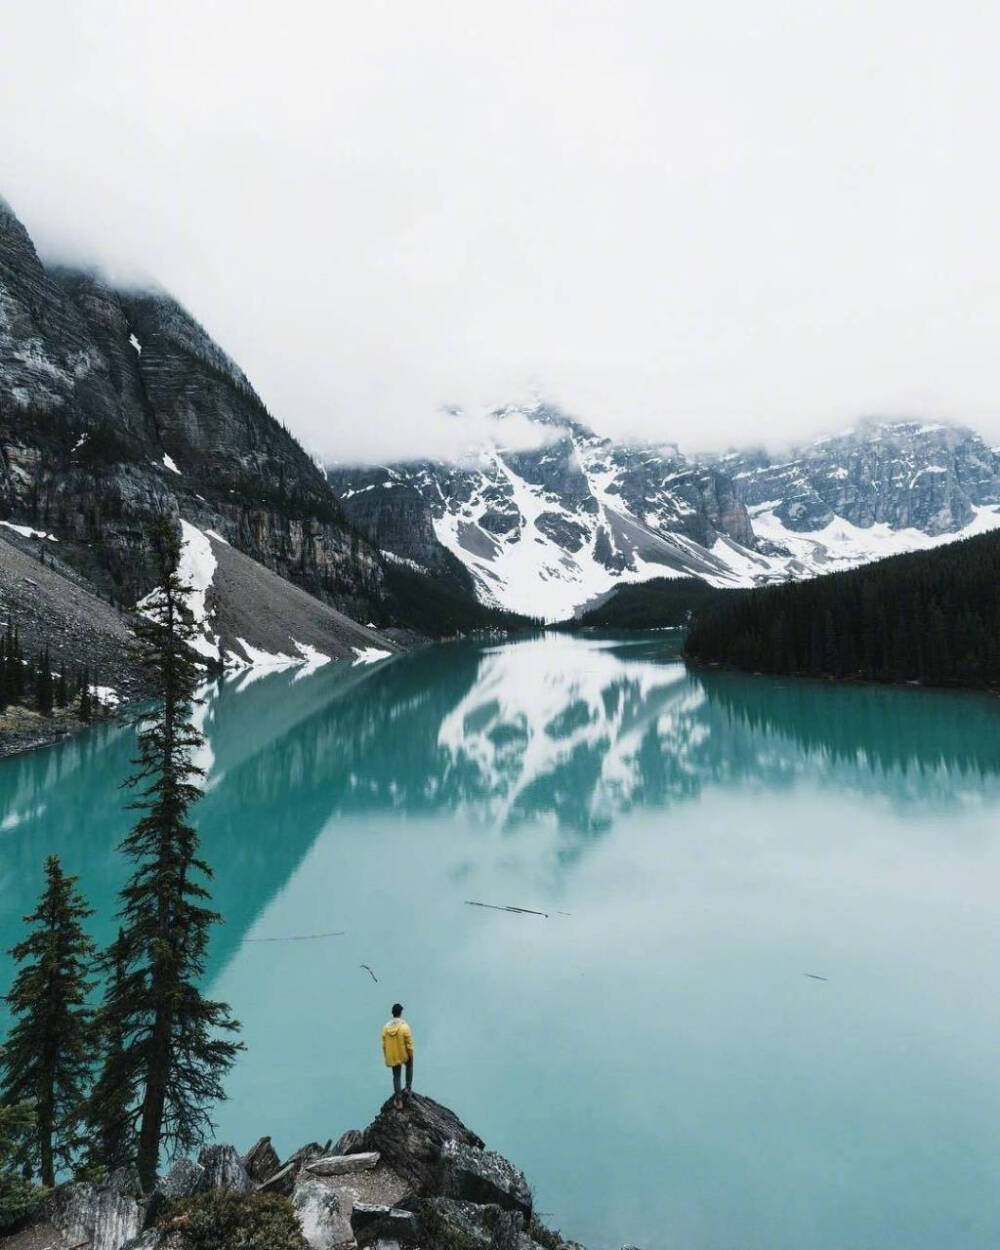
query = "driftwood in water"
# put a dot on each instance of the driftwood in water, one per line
(520, 911)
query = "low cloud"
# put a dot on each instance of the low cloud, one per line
(711, 224)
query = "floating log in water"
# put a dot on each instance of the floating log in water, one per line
(520, 911)
(298, 937)
(370, 973)
(814, 976)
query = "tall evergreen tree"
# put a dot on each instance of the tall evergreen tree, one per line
(46, 1059)
(173, 1048)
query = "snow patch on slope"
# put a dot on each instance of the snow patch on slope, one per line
(27, 532)
(369, 655)
(841, 545)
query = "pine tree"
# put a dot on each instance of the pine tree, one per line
(107, 1109)
(173, 1052)
(62, 687)
(17, 1194)
(44, 688)
(86, 706)
(46, 1058)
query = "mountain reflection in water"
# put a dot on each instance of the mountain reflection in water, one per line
(705, 832)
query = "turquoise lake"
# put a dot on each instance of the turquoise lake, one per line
(656, 1052)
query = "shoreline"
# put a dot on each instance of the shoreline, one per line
(23, 730)
(826, 679)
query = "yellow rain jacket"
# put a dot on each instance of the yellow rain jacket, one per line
(397, 1043)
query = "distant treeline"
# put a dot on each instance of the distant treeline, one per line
(931, 617)
(434, 608)
(32, 683)
(649, 605)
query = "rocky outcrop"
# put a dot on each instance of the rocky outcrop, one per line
(350, 1143)
(430, 1184)
(474, 1175)
(261, 1161)
(103, 1217)
(411, 1140)
(222, 1168)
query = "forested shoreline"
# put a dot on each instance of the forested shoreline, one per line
(929, 617)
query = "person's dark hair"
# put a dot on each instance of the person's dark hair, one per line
(397, 1009)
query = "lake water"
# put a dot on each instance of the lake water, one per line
(656, 1052)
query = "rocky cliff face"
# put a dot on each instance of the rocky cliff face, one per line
(115, 404)
(548, 530)
(543, 530)
(903, 474)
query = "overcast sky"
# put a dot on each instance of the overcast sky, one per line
(703, 222)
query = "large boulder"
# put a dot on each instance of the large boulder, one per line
(261, 1161)
(318, 1211)
(373, 1222)
(104, 1216)
(483, 1176)
(223, 1169)
(410, 1140)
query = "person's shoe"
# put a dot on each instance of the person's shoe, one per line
(407, 1093)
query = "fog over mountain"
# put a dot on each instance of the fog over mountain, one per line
(715, 224)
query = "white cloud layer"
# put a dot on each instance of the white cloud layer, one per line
(711, 223)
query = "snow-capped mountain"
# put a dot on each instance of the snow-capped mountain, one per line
(546, 531)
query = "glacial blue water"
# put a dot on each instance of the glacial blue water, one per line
(656, 1051)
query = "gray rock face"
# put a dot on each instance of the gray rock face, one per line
(305, 1154)
(316, 1207)
(282, 1182)
(411, 1140)
(98, 384)
(183, 1179)
(223, 1169)
(261, 1161)
(349, 1143)
(900, 473)
(105, 1216)
(483, 1176)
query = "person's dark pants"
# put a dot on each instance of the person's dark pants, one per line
(397, 1071)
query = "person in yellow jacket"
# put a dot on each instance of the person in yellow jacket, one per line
(397, 1049)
